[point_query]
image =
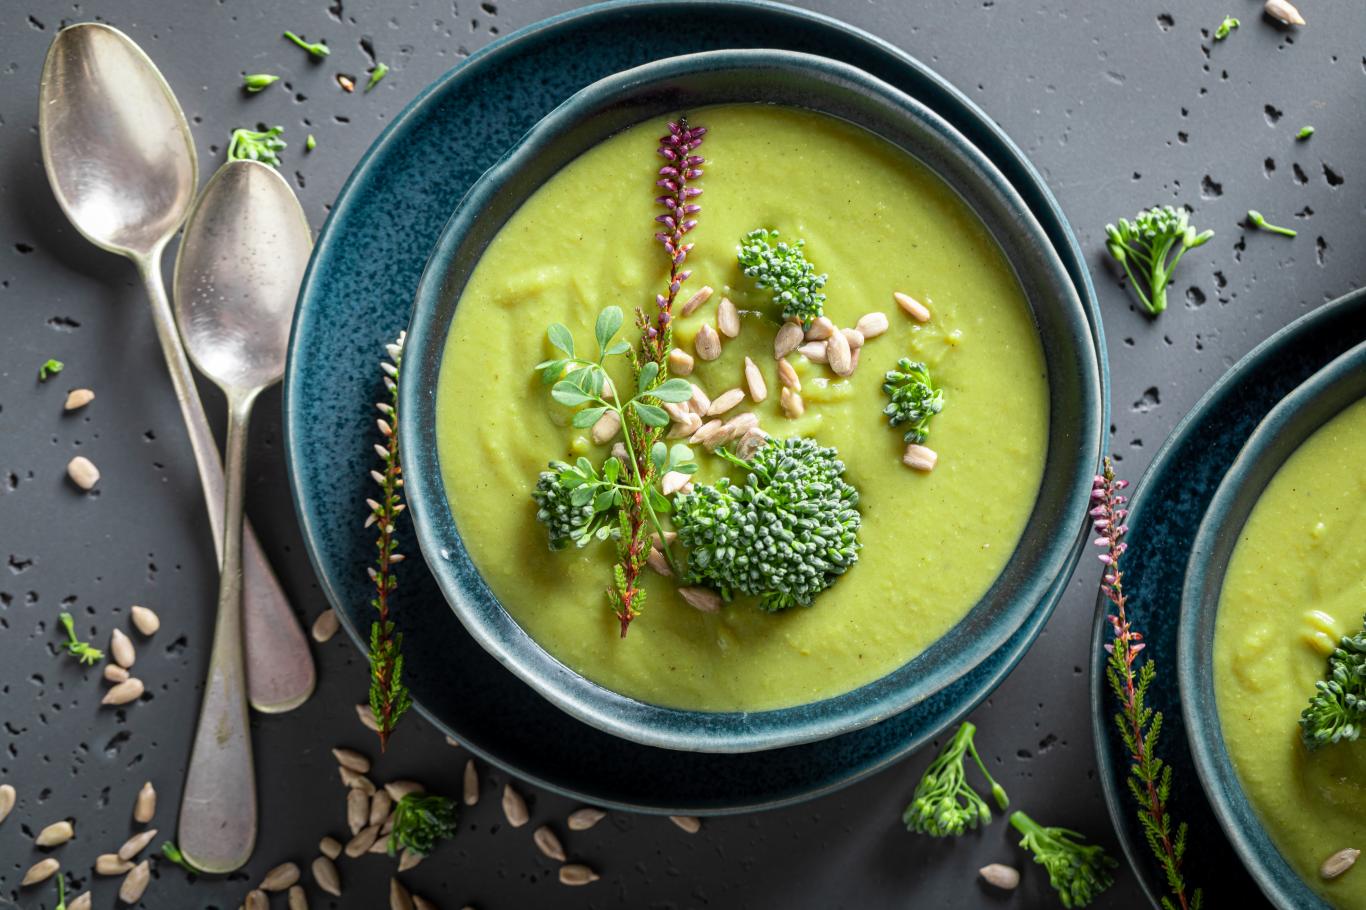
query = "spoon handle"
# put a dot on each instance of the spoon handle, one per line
(280, 672)
(218, 806)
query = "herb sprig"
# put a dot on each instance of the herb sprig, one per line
(316, 49)
(421, 820)
(1143, 246)
(389, 697)
(1256, 220)
(944, 805)
(49, 369)
(256, 82)
(1130, 677)
(1228, 25)
(257, 145)
(78, 649)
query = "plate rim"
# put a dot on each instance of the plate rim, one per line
(1006, 148)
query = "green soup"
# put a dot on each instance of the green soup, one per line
(1295, 585)
(877, 221)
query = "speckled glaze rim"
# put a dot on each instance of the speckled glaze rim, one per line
(694, 80)
(1284, 429)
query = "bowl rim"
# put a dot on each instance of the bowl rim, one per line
(1307, 408)
(734, 731)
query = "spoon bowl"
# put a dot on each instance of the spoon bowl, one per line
(237, 275)
(116, 146)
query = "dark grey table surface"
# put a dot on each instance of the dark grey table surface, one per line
(1120, 105)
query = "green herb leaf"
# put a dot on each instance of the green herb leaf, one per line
(680, 454)
(421, 820)
(1228, 25)
(561, 338)
(608, 324)
(317, 49)
(256, 145)
(82, 651)
(256, 82)
(567, 393)
(659, 454)
(621, 347)
(1304, 133)
(648, 372)
(588, 416)
(651, 415)
(673, 390)
(658, 501)
(379, 72)
(50, 368)
(611, 470)
(1259, 222)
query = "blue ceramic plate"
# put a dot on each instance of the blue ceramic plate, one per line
(357, 295)
(1166, 510)
(1322, 397)
(1045, 552)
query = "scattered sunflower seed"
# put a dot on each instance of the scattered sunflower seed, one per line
(357, 810)
(606, 427)
(256, 900)
(657, 561)
(397, 789)
(707, 344)
(585, 818)
(363, 841)
(7, 800)
(121, 647)
(55, 834)
(688, 823)
(409, 860)
(855, 339)
(815, 351)
(672, 482)
(577, 874)
(135, 883)
(380, 806)
(920, 458)
(350, 758)
(136, 844)
(548, 843)
(354, 780)
(326, 877)
(110, 864)
(347, 83)
(367, 717)
(696, 300)
(298, 898)
(399, 897)
(912, 307)
(325, 626)
(792, 403)
(281, 878)
(471, 793)
(1338, 863)
(80, 903)
(1007, 878)
(421, 903)
(754, 378)
(115, 674)
(40, 871)
(839, 354)
(727, 318)
(83, 472)
(725, 401)
(788, 375)
(1283, 12)
(787, 340)
(872, 325)
(452, 742)
(680, 362)
(121, 694)
(145, 806)
(145, 621)
(821, 328)
(514, 806)
(704, 600)
(330, 847)
(78, 398)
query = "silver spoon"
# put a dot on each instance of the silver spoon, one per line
(243, 255)
(121, 161)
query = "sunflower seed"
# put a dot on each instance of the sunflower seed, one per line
(514, 807)
(326, 877)
(854, 337)
(821, 329)
(548, 843)
(40, 871)
(707, 344)
(471, 793)
(409, 860)
(354, 780)
(78, 398)
(1283, 12)
(357, 810)
(585, 818)
(129, 690)
(350, 758)
(1339, 863)
(110, 864)
(330, 847)
(787, 374)
(736, 427)
(669, 537)
(83, 472)
(688, 823)
(55, 834)
(1007, 878)
(577, 874)
(298, 898)
(725, 401)
(705, 431)
(135, 883)
(114, 673)
(256, 900)
(750, 443)
(787, 339)
(121, 647)
(136, 844)
(920, 458)
(399, 898)
(872, 325)
(680, 362)
(704, 600)
(699, 402)
(673, 481)
(792, 403)
(7, 800)
(145, 806)
(606, 427)
(685, 427)
(676, 412)
(839, 354)
(325, 626)
(281, 878)
(421, 903)
(397, 789)
(381, 844)
(80, 903)
(380, 805)
(814, 351)
(912, 307)
(451, 740)
(727, 318)
(145, 621)
(367, 717)
(696, 300)
(659, 563)
(754, 378)
(364, 840)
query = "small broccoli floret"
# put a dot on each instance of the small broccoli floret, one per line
(944, 805)
(1078, 871)
(784, 535)
(1143, 245)
(914, 398)
(576, 505)
(782, 267)
(1337, 708)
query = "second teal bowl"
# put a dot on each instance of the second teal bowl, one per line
(1048, 548)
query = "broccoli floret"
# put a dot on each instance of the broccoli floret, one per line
(944, 805)
(782, 267)
(784, 535)
(1338, 706)
(575, 505)
(1078, 871)
(915, 399)
(1143, 245)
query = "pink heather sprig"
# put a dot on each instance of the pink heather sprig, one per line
(682, 168)
(1139, 726)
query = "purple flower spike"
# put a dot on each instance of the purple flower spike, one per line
(679, 148)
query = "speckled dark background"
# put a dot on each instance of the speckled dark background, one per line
(1119, 104)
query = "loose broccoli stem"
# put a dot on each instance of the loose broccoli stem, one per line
(944, 805)
(1078, 871)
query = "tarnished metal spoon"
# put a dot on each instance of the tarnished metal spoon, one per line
(121, 161)
(243, 255)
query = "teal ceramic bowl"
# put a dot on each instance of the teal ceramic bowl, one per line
(1321, 398)
(1047, 551)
